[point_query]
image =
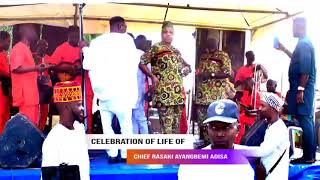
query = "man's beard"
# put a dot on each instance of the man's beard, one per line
(80, 117)
(77, 117)
(262, 116)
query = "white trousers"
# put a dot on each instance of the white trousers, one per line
(139, 121)
(107, 112)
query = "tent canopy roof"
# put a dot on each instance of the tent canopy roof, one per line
(222, 14)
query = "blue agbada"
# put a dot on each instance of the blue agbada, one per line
(302, 62)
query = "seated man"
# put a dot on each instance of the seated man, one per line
(66, 142)
(272, 87)
(222, 122)
(275, 146)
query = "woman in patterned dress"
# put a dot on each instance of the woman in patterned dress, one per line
(167, 71)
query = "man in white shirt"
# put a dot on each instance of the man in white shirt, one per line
(222, 123)
(112, 67)
(276, 139)
(139, 119)
(67, 142)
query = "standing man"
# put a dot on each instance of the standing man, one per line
(40, 57)
(213, 74)
(139, 120)
(24, 74)
(68, 53)
(168, 68)
(5, 91)
(302, 78)
(248, 70)
(249, 104)
(222, 122)
(275, 145)
(111, 61)
(66, 142)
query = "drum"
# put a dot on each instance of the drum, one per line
(20, 143)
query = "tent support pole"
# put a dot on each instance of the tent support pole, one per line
(84, 94)
(165, 15)
(75, 17)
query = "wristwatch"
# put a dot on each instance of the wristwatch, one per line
(300, 88)
(213, 74)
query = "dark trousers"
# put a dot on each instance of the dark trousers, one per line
(309, 145)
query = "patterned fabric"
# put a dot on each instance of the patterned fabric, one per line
(230, 91)
(166, 64)
(273, 100)
(202, 116)
(68, 91)
(210, 90)
(170, 119)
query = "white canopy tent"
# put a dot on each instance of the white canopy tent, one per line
(257, 16)
(147, 16)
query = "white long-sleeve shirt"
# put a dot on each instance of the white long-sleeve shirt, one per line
(141, 80)
(112, 63)
(217, 171)
(63, 145)
(141, 77)
(276, 141)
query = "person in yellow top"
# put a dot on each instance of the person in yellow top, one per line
(168, 69)
(213, 73)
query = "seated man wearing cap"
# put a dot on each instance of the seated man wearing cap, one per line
(66, 142)
(222, 122)
(275, 146)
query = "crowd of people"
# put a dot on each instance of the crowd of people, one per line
(120, 80)
(225, 122)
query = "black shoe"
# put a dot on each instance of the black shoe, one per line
(302, 161)
(113, 160)
(123, 160)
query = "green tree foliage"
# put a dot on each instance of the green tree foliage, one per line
(6, 28)
(9, 30)
(90, 37)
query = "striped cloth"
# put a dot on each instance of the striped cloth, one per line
(273, 100)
